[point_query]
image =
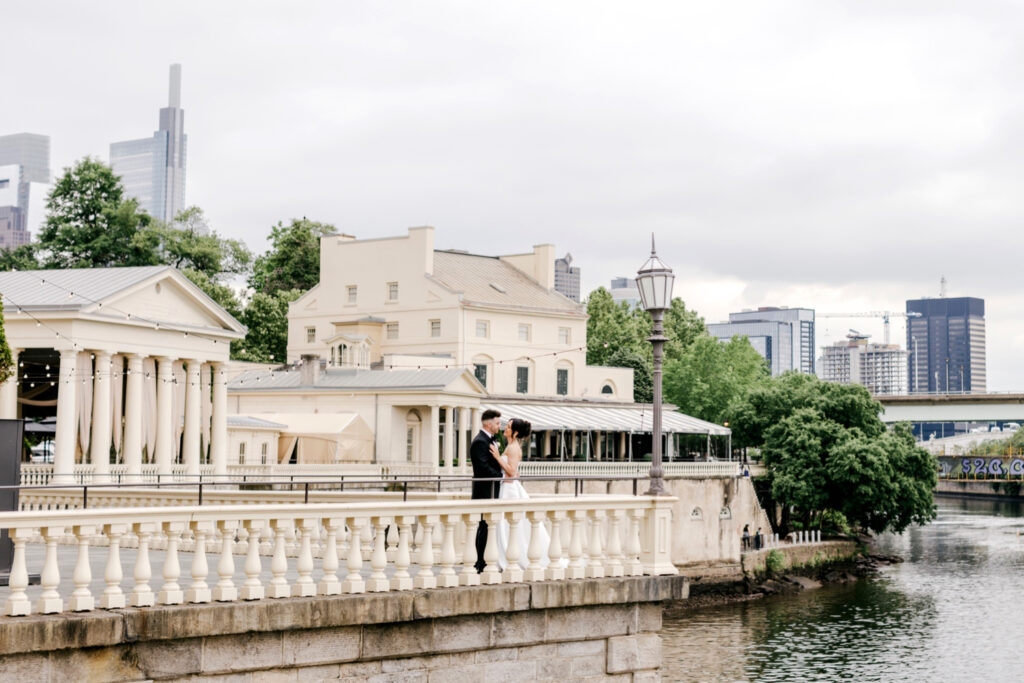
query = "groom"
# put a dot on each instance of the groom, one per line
(484, 467)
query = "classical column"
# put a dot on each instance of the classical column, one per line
(67, 395)
(9, 390)
(465, 435)
(164, 416)
(193, 413)
(449, 437)
(131, 450)
(219, 427)
(433, 427)
(99, 448)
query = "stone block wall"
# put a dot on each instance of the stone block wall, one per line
(597, 629)
(795, 556)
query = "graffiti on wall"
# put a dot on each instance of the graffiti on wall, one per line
(953, 467)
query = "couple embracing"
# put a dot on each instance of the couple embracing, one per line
(489, 462)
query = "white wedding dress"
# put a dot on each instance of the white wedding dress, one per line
(512, 489)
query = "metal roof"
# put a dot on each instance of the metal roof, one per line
(248, 422)
(348, 380)
(489, 280)
(602, 418)
(49, 289)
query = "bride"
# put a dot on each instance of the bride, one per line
(512, 489)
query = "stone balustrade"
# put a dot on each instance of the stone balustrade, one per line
(330, 548)
(689, 470)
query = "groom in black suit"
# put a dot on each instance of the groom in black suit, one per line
(485, 467)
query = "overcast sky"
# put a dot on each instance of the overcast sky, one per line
(836, 155)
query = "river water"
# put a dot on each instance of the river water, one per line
(954, 611)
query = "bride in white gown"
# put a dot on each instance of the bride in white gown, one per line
(512, 489)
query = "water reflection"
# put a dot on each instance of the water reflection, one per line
(950, 613)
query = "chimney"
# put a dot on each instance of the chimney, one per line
(309, 369)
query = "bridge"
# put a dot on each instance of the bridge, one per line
(953, 408)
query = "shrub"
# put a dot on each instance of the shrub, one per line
(774, 562)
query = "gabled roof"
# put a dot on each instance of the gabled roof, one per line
(435, 379)
(47, 290)
(489, 280)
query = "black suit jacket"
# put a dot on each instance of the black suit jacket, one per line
(484, 466)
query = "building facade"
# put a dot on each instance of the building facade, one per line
(783, 336)
(24, 184)
(881, 368)
(624, 289)
(398, 303)
(567, 278)
(946, 345)
(152, 169)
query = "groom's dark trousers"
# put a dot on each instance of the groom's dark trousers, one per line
(484, 467)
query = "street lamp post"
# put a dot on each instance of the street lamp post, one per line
(654, 282)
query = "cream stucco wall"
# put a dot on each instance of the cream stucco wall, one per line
(255, 440)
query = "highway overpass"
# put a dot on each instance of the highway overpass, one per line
(953, 408)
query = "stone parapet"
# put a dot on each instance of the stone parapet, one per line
(559, 630)
(802, 555)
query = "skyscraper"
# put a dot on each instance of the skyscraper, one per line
(24, 180)
(881, 368)
(784, 336)
(567, 278)
(946, 345)
(153, 169)
(624, 289)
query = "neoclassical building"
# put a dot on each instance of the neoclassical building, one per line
(132, 360)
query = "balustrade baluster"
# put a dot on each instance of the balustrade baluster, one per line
(535, 551)
(225, 590)
(633, 548)
(391, 536)
(49, 601)
(491, 574)
(353, 582)
(17, 603)
(577, 568)
(378, 582)
(402, 581)
(242, 544)
(613, 565)
(555, 571)
(113, 596)
(469, 575)
(81, 599)
(329, 584)
(513, 571)
(595, 566)
(170, 592)
(142, 594)
(279, 564)
(199, 590)
(252, 589)
(305, 587)
(425, 559)
(447, 578)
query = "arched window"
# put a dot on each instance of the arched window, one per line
(696, 515)
(608, 389)
(725, 513)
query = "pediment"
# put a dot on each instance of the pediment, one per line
(172, 299)
(466, 383)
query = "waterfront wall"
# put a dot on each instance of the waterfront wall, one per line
(554, 631)
(1013, 490)
(797, 556)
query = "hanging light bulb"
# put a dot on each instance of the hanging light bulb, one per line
(47, 366)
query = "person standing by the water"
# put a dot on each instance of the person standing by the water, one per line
(746, 537)
(758, 539)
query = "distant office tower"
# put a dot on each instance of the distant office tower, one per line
(946, 345)
(153, 169)
(624, 289)
(881, 368)
(784, 336)
(24, 184)
(567, 278)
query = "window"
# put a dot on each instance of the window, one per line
(607, 389)
(353, 292)
(410, 434)
(263, 453)
(562, 381)
(480, 371)
(564, 335)
(522, 380)
(524, 332)
(435, 328)
(241, 453)
(310, 335)
(483, 328)
(392, 291)
(4, 182)
(392, 330)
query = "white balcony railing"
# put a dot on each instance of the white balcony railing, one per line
(596, 536)
(694, 470)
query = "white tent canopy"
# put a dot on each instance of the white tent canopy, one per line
(606, 419)
(322, 437)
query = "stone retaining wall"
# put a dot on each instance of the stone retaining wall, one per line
(980, 489)
(597, 629)
(800, 555)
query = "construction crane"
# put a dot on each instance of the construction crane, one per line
(884, 315)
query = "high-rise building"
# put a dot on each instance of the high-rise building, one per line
(624, 289)
(784, 336)
(567, 278)
(24, 183)
(946, 343)
(881, 368)
(153, 169)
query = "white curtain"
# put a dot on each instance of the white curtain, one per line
(83, 375)
(178, 388)
(149, 407)
(206, 407)
(117, 401)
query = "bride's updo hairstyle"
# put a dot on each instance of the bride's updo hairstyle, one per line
(521, 428)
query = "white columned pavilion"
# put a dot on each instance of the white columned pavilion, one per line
(165, 430)
(9, 390)
(132, 448)
(449, 438)
(219, 426)
(67, 405)
(99, 453)
(193, 414)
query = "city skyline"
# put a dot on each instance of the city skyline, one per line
(592, 142)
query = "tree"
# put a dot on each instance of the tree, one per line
(293, 260)
(6, 362)
(709, 376)
(221, 293)
(21, 258)
(89, 223)
(611, 328)
(189, 244)
(643, 381)
(682, 327)
(266, 318)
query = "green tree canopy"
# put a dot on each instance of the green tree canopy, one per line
(708, 376)
(21, 258)
(266, 318)
(189, 244)
(643, 381)
(611, 328)
(293, 260)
